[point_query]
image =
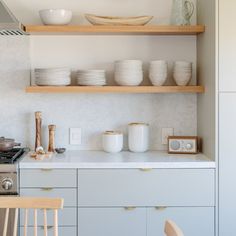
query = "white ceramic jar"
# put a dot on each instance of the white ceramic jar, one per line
(112, 141)
(138, 137)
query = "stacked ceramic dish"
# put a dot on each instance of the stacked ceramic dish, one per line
(182, 72)
(91, 77)
(128, 72)
(52, 76)
(158, 72)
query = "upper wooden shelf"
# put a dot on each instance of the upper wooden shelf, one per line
(115, 89)
(90, 29)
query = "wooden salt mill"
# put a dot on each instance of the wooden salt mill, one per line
(38, 122)
(51, 145)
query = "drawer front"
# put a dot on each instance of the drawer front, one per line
(66, 217)
(193, 221)
(69, 195)
(112, 221)
(157, 187)
(48, 178)
(62, 231)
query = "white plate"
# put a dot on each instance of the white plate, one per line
(53, 79)
(48, 70)
(53, 84)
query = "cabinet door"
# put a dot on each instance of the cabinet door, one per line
(157, 187)
(193, 221)
(112, 221)
(37, 178)
(68, 194)
(227, 46)
(227, 164)
(62, 231)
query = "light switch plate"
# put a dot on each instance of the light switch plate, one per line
(75, 136)
(165, 133)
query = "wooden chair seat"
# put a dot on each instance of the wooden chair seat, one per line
(30, 203)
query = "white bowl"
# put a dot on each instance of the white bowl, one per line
(158, 80)
(135, 81)
(158, 63)
(129, 62)
(182, 80)
(183, 63)
(55, 16)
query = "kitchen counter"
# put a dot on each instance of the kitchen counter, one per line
(100, 159)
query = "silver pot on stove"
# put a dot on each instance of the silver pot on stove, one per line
(7, 144)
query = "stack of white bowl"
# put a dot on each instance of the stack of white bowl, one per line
(128, 72)
(91, 77)
(158, 71)
(182, 72)
(52, 76)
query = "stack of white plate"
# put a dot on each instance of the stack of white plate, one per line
(158, 72)
(91, 77)
(52, 76)
(128, 72)
(182, 72)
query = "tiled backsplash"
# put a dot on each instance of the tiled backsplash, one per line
(94, 113)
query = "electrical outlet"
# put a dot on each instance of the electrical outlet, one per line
(75, 136)
(165, 132)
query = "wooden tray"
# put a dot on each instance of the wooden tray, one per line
(110, 20)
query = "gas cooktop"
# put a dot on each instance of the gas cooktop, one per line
(10, 157)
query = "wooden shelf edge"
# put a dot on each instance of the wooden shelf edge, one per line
(115, 89)
(90, 29)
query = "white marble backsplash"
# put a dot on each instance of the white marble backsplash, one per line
(94, 113)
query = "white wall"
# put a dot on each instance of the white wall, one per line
(206, 76)
(97, 112)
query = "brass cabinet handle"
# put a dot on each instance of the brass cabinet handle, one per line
(160, 208)
(46, 169)
(145, 169)
(48, 227)
(129, 208)
(46, 189)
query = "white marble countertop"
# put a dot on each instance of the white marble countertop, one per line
(100, 159)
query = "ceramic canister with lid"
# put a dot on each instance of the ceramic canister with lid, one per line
(138, 137)
(112, 141)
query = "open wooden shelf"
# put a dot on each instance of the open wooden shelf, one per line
(90, 29)
(115, 89)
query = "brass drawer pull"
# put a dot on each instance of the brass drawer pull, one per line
(46, 189)
(160, 208)
(48, 227)
(46, 169)
(145, 169)
(129, 208)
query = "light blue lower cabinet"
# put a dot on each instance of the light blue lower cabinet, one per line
(194, 221)
(63, 231)
(112, 221)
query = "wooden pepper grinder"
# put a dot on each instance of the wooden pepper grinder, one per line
(51, 145)
(38, 122)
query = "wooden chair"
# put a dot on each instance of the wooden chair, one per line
(30, 203)
(171, 229)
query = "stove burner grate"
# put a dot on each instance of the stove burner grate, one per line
(9, 157)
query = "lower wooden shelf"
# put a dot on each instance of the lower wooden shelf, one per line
(115, 89)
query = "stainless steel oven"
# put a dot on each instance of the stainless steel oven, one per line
(9, 185)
